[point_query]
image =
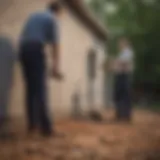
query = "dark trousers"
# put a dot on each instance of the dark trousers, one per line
(7, 59)
(33, 64)
(122, 96)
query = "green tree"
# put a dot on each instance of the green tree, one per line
(139, 20)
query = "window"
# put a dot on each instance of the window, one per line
(91, 64)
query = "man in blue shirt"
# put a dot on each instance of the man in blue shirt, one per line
(40, 29)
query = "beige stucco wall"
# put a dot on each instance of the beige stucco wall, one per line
(76, 42)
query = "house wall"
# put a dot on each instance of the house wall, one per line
(11, 22)
(99, 81)
(76, 42)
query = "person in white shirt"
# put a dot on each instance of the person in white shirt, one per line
(123, 68)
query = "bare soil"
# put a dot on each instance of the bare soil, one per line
(88, 140)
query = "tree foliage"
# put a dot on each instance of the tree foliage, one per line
(140, 21)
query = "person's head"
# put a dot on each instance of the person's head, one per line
(124, 43)
(55, 7)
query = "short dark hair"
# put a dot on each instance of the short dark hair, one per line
(55, 6)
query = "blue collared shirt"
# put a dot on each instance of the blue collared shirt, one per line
(41, 27)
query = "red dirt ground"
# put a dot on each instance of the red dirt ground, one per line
(87, 140)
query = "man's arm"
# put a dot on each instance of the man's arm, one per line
(53, 35)
(56, 57)
(56, 62)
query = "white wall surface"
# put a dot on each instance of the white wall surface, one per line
(76, 42)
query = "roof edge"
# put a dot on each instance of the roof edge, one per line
(84, 14)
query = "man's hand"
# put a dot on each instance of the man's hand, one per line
(57, 75)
